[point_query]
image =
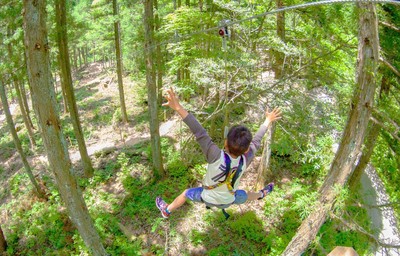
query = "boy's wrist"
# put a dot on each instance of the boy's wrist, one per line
(181, 111)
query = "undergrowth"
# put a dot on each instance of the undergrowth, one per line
(120, 198)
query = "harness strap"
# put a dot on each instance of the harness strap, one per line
(230, 176)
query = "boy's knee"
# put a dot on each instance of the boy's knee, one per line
(193, 194)
(240, 197)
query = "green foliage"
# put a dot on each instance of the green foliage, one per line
(305, 204)
(7, 145)
(333, 234)
(320, 52)
(103, 115)
(18, 181)
(48, 230)
(248, 226)
(387, 165)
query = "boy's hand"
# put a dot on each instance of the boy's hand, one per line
(272, 116)
(173, 102)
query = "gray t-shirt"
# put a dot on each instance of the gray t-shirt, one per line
(216, 161)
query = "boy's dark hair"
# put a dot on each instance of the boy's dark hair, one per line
(238, 138)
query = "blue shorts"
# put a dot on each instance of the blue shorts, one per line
(194, 194)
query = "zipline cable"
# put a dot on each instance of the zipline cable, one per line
(179, 38)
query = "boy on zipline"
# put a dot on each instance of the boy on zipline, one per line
(225, 167)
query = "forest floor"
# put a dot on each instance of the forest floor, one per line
(98, 103)
(97, 95)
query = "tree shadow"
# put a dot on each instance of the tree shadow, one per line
(242, 234)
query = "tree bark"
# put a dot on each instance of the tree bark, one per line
(366, 156)
(40, 193)
(24, 114)
(79, 57)
(354, 132)
(152, 89)
(160, 57)
(39, 75)
(369, 144)
(61, 21)
(63, 87)
(3, 243)
(25, 102)
(118, 56)
(264, 172)
(21, 102)
(280, 31)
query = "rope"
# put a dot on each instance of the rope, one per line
(179, 38)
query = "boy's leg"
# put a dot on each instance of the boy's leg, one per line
(253, 195)
(193, 194)
(178, 202)
(166, 209)
(260, 194)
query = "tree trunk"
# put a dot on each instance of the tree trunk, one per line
(365, 157)
(3, 243)
(75, 59)
(61, 21)
(280, 31)
(152, 89)
(118, 56)
(24, 114)
(94, 52)
(22, 102)
(17, 143)
(264, 172)
(79, 57)
(160, 57)
(63, 87)
(25, 102)
(39, 74)
(354, 132)
(83, 51)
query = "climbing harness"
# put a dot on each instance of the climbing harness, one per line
(230, 178)
(230, 175)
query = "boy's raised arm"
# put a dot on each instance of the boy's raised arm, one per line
(173, 102)
(270, 117)
(211, 151)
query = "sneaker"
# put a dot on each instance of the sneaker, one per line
(162, 206)
(268, 189)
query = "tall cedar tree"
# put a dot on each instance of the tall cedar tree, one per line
(62, 40)
(354, 132)
(16, 82)
(152, 89)
(17, 143)
(118, 56)
(44, 103)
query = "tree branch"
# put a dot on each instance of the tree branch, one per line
(377, 206)
(388, 25)
(355, 226)
(378, 115)
(390, 66)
